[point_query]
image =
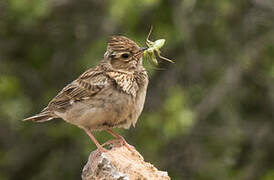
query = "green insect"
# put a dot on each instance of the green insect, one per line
(154, 47)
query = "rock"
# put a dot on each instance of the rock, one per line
(119, 163)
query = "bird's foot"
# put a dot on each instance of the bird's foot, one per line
(120, 138)
(111, 142)
(121, 141)
(101, 150)
(131, 148)
(128, 146)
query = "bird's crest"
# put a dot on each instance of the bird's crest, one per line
(122, 43)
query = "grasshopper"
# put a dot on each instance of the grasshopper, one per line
(154, 47)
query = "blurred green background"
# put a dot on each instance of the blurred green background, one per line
(208, 116)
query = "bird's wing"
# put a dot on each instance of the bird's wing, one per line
(87, 85)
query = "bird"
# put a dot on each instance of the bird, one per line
(110, 95)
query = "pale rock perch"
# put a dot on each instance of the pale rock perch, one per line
(120, 164)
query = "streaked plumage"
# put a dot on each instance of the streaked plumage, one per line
(108, 96)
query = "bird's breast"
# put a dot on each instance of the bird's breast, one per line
(109, 108)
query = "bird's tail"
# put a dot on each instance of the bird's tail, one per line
(41, 117)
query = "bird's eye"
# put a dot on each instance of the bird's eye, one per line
(125, 55)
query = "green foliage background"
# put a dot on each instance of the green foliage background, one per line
(208, 116)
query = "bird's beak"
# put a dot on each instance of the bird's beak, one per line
(143, 49)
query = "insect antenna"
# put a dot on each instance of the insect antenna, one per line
(150, 31)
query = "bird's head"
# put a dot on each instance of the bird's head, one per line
(124, 54)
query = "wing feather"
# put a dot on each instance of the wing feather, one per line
(87, 85)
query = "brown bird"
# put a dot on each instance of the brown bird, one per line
(111, 95)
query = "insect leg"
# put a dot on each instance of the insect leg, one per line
(162, 57)
(153, 58)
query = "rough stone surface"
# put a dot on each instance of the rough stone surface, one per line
(119, 163)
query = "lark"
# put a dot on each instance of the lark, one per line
(110, 95)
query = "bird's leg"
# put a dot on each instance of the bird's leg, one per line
(100, 148)
(128, 146)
